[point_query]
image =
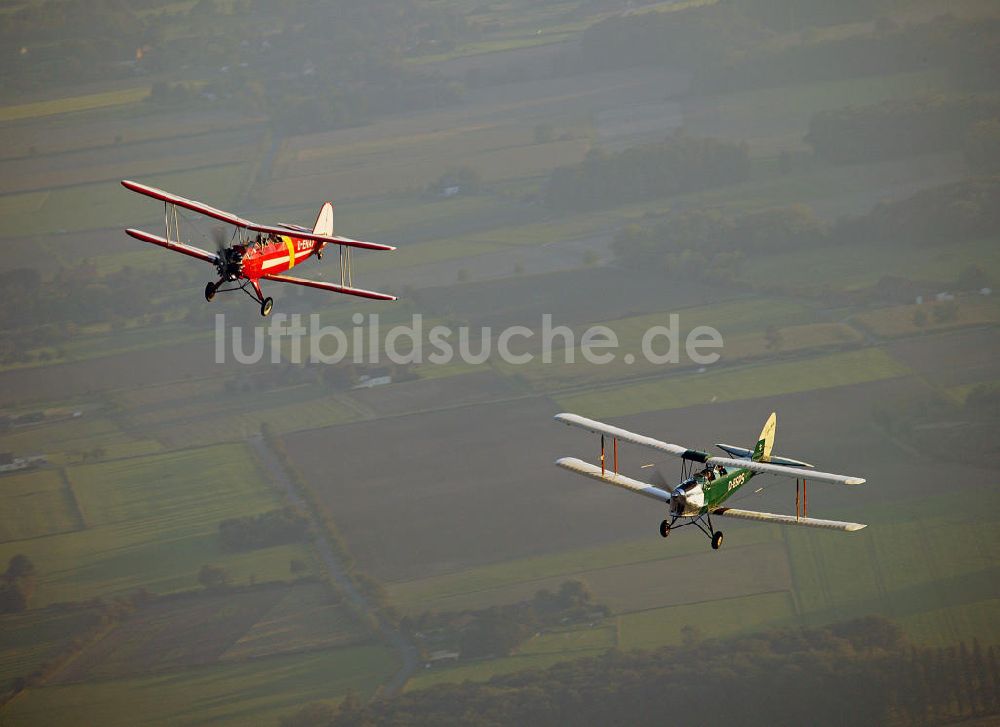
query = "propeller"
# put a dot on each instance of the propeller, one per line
(228, 260)
(219, 237)
(657, 479)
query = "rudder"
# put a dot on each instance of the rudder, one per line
(765, 442)
(324, 221)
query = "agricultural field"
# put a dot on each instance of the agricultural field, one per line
(66, 441)
(776, 119)
(748, 382)
(853, 271)
(37, 503)
(257, 690)
(99, 204)
(958, 358)
(150, 522)
(912, 320)
(73, 104)
(30, 640)
(193, 630)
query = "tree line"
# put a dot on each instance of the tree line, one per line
(274, 527)
(17, 584)
(499, 630)
(676, 165)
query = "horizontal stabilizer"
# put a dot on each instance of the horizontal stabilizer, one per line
(786, 471)
(332, 287)
(610, 478)
(744, 453)
(809, 522)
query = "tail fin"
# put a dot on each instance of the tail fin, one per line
(765, 442)
(324, 221)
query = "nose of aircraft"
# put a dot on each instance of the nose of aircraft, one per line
(678, 501)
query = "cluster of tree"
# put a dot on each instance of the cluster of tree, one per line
(937, 216)
(17, 584)
(677, 165)
(213, 577)
(858, 672)
(274, 527)
(898, 128)
(697, 242)
(499, 630)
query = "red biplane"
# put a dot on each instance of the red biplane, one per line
(258, 252)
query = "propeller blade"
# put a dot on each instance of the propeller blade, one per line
(219, 237)
(658, 480)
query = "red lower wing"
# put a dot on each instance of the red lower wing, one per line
(171, 245)
(333, 288)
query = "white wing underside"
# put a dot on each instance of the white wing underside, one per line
(610, 478)
(675, 450)
(767, 517)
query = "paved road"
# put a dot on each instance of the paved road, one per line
(407, 652)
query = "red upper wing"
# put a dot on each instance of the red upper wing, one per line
(190, 204)
(231, 219)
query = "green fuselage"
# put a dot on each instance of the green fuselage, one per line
(712, 494)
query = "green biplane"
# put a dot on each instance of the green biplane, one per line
(702, 494)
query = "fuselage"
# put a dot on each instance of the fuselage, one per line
(704, 492)
(274, 254)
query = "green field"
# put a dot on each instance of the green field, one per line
(212, 627)
(750, 382)
(107, 204)
(850, 271)
(31, 639)
(306, 618)
(70, 104)
(152, 522)
(663, 626)
(258, 691)
(907, 571)
(741, 323)
(63, 441)
(777, 118)
(35, 504)
(378, 166)
(514, 580)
